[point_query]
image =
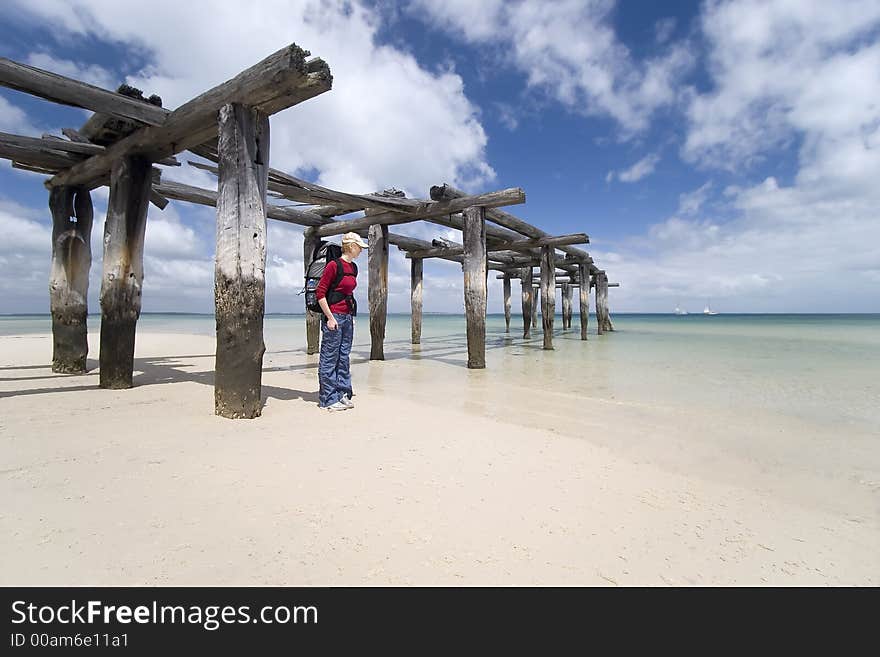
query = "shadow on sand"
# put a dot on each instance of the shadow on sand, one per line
(448, 349)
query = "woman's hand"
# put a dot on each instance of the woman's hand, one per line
(331, 323)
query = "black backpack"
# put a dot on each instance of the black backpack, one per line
(326, 252)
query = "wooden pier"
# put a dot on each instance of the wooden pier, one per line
(128, 135)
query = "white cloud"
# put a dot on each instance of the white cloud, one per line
(91, 73)
(166, 236)
(783, 71)
(569, 50)
(387, 121)
(768, 259)
(507, 116)
(689, 203)
(24, 257)
(637, 171)
(14, 119)
(22, 230)
(803, 75)
(663, 29)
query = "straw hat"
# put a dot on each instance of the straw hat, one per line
(354, 238)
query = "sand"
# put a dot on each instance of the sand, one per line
(438, 476)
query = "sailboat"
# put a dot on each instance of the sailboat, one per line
(679, 311)
(708, 310)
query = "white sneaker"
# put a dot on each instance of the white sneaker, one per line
(347, 401)
(338, 406)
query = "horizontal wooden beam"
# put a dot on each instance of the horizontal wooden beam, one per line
(188, 193)
(59, 89)
(281, 76)
(518, 245)
(560, 278)
(331, 201)
(14, 148)
(341, 203)
(557, 241)
(560, 263)
(181, 192)
(510, 196)
(301, 193)
(61, 144)
(504, 219)
(65, 153)
(34, 169)
(455, 251)
(74, 135)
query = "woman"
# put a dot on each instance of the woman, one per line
(335, 294)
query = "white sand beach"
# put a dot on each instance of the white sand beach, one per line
(440, 475)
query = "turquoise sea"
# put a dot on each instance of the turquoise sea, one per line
(823, 369)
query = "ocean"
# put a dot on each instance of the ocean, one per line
(820, 368)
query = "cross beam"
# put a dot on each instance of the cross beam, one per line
(279, 81)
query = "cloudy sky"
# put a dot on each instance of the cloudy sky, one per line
(723, 150)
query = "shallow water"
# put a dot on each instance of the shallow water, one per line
(823, 369)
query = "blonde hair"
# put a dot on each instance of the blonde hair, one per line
(348, 247)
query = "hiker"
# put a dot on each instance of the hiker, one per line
(335, 294)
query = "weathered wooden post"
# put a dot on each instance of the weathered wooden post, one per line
(566, 305)
(69, 277)
(240, 265)
(123, 268)
(416, 268)
(548, 293)
(475, 271)
(527, 305)
(313, 319)
(377, 261)
(536, 304)
(506, 284)
(584, 298)
(603, 316)
(594, 284)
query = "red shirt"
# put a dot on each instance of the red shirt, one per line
(346, 285)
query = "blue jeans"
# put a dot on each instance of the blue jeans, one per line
(334, 373)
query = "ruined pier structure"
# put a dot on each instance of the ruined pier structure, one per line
(128, 135)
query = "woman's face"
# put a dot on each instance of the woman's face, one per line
(355, 250)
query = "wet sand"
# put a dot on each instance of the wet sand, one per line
(440, 475)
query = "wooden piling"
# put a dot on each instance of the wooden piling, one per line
(506, 284)
(474, 267)
(584, 298)
(240, 264)
(536, 304)
(566, 305)
(603, 315)
(123, 269)
(69, 277)
(313, 319)
(378, 288)
(548, 293)
(416, 269)
(527, 303)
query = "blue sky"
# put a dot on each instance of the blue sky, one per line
(723, 150)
